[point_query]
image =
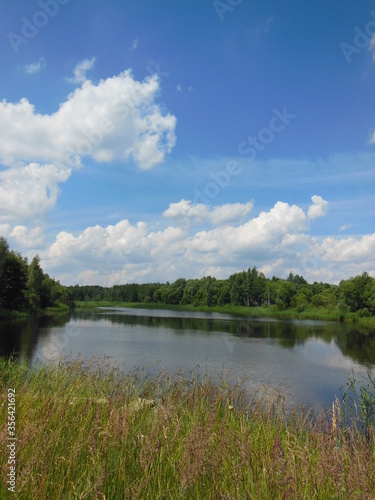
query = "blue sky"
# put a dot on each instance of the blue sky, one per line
(146, 141)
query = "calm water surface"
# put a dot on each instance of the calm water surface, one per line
(309, 360)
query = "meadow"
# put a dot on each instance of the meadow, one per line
(94, 432)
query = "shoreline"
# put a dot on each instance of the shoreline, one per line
(6, 315)
(240, 311)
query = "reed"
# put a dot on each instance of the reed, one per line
(94, 432)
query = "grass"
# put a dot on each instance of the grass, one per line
(264, 312)
(6, 314)
(93, 432)
(58, 309)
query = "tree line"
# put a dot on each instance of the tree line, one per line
(24, 287)
(247, 288)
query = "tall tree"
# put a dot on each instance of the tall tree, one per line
(14, 279)
(35, 278)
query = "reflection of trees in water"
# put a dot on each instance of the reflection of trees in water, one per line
(179, 324)
(19, 337)
(11, 337)
(359, 347)
(288, 334)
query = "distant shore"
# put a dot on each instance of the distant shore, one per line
(243, 311)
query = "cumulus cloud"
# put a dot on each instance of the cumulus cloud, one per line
(187, 211)
(260, 235)
(230, 213)
(32, 238)
(136, 252)
(319, 208)
(359, 249)
(115, 120)
(28, 192)
(81, 69)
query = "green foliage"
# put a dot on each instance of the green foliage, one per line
(247, 288)
(35, 280)
(286, 290)
(13, 282)
(24, 287)
(359, 404)
(359, 293)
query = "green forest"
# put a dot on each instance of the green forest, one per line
(24, 287)
(248, 289)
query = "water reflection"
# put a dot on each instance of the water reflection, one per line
(21, 337)
(359, 345)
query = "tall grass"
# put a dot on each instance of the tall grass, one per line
(93, 432)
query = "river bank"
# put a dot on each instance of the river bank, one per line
(242, 311)
(59, 309)
(94, 432)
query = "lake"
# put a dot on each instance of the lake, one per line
(308, 360)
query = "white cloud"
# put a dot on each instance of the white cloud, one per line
(136, 252)
(31, 69)
(81, 69)
(28, 192)
(188, 212)
(354, 249)
(115, 120)
(179, 87)
(230, 213)
(344, 227)
(319, 208)
(27, 238)
(260, 235)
